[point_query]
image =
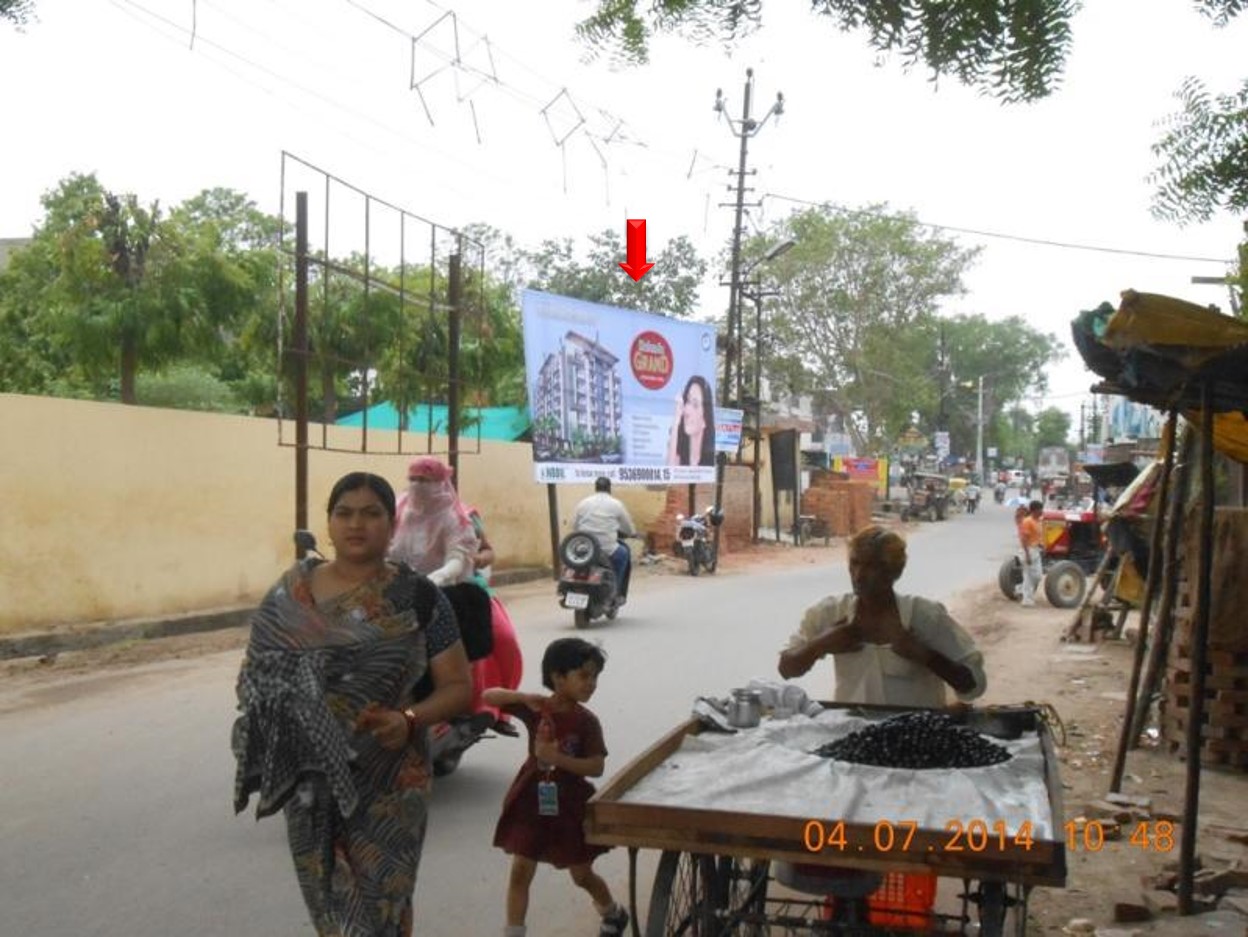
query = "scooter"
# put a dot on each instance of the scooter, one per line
(694, 540)
(587, 582)
(449, 740)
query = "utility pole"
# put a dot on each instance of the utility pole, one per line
(979, 431)
(743, 129)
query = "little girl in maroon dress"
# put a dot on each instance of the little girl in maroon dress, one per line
(544, 810)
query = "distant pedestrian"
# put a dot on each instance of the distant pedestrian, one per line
(544, 810)
(1031, 539)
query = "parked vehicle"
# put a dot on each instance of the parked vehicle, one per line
(929, 497)
(1074, 545)
(695, 539)
(587, 584)
(450, 739)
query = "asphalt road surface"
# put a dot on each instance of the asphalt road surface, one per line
(115, 788)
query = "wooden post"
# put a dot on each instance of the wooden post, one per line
(1151, 582)
(1200, 638)
(1169, 586)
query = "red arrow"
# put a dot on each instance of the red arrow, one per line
(635, 231)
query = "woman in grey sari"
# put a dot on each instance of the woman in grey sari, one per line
(349, 661)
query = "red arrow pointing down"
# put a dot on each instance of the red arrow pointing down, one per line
(635, 232)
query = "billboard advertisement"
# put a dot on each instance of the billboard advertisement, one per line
(616, 392)
(867, 470)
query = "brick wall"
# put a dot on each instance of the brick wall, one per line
(738, 493)
(843, 505)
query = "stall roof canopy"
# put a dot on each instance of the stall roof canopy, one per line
(503, 423)
(1161, 351)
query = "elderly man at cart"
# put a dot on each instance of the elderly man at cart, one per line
(888, 649)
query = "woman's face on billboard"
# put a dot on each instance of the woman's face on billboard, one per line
(693, 418)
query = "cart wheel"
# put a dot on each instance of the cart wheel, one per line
(739, 896)
(680, 902)
(1001, 913)
(1064, 584)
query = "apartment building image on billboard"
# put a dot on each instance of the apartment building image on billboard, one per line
(578, 404)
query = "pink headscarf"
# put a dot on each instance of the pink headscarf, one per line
(432, 523)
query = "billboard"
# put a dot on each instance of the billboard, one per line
(615, 392)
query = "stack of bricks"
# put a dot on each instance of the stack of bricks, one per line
(842, 504)
(738, 493)
(1224, 723)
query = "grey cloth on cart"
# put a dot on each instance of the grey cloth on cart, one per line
(770, 770)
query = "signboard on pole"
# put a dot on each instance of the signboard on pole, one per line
(625, 394)
(728, 423)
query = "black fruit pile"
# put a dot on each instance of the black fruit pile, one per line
(918, 740)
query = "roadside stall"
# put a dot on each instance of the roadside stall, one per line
(840, 819)
(1184, 358)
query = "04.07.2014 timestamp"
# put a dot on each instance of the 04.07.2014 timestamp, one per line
(898, 836)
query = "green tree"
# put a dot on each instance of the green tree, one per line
(1010, 356)
(670, 288)
(858, 298)
(110, 287)
(1052, 427)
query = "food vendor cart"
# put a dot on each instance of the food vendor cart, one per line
(750, 824)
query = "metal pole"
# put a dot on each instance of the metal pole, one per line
(979, 432)
(301, 364)
(552, 504)
(455, 291)
(1200, 637)
(734, 296)
(757, 501)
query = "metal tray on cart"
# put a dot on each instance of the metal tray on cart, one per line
(697, 842)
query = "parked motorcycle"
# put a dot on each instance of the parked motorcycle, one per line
(449, 740)
(587, 582)
(695, 540)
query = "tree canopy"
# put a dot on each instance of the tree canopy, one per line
(670, 288)
(1015, 50)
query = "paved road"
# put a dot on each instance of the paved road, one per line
(115, 796)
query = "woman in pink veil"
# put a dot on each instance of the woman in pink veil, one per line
(434, 535)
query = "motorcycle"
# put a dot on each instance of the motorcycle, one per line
(587, 582)
(450, 739)
(998, 493)
(694, 539)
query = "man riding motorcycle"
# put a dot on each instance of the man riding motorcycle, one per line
(605, 518)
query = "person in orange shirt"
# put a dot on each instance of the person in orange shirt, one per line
(1031, 539)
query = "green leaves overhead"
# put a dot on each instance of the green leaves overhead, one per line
(1204, 155)
(1012, 49)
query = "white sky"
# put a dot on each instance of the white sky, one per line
(112, 87)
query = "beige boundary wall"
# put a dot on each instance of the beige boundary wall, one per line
(115, 512)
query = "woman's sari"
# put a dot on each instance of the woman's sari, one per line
(355, 812)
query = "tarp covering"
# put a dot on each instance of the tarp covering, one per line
(1160, 351)
(503, 423)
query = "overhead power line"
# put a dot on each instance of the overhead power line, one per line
(979, 232)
